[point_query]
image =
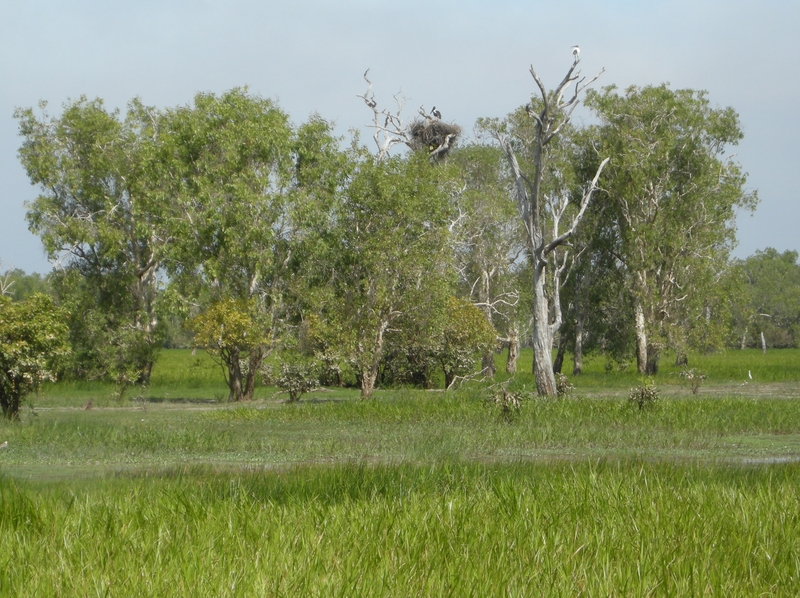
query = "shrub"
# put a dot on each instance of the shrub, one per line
(564, 387)
(644, 395)
(508, 402)
(694, 377)
(296, 377)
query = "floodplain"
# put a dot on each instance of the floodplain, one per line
(413, 493)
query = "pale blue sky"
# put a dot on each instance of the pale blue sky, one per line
(468, 57)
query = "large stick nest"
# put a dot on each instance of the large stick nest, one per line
(433, 136)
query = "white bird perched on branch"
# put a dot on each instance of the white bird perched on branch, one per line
(576, 52)
(436, 113)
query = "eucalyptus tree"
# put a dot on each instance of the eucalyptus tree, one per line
(771, 299)
(381, 255)
(97, 216)
(546, 201)
(18, 285)
(238, 171)
(489, 243)
(672, 194)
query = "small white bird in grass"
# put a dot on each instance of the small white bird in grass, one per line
(4, 445)
(576, 52)
(749, 375)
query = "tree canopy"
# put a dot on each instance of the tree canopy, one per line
(365, 268)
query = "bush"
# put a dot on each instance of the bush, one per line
(644, 395)
(507, 401)
(296, 376)
(564, 387)
(694, 377)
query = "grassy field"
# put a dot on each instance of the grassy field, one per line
(414, 493)
(181, 376)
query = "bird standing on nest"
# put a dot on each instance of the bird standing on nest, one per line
(436, 113)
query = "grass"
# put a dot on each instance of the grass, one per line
(413, 493)
(519, 529)
(403, 426)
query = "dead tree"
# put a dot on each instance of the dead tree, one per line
(427, 133)
(545, 238)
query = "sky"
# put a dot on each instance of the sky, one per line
(470, 58)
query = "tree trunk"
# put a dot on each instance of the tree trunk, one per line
(144, 374)
(763, 344)
(744, 339)
(513, 350)
(641, 338)
(234, 377)
(542, 340)
(253, 364)
(488, 365)
(577, 354)
(369, 371)
(10, 399)
(449, 377)
(368, 377)
(653, 355)
(487, 361)
(562, 349)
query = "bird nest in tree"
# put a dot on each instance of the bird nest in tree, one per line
(433, 136)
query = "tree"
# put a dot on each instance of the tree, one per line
(97, 218)
(772, 295)
(381, 255)
(489, 241)
(466, 333)
(18, 285)
(236, 172)
(33, 336)
(231, 333)
(543, 200)
(672, 196)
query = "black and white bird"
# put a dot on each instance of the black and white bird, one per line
(576, 52)
(436, 113)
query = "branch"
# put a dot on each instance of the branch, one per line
(392, 128)
(579, 216)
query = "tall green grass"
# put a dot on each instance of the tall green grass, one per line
(594, 529)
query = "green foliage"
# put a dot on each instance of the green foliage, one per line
(18, 285)
(33, 336)
(231, 331)
(381, 257)
(672, 195)
(466, 334)
(227, 162)
(772, 299)
(98, 215)
(488, 235)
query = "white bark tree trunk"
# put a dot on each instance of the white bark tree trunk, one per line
(641, 338)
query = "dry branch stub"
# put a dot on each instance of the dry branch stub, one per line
(433, 136)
